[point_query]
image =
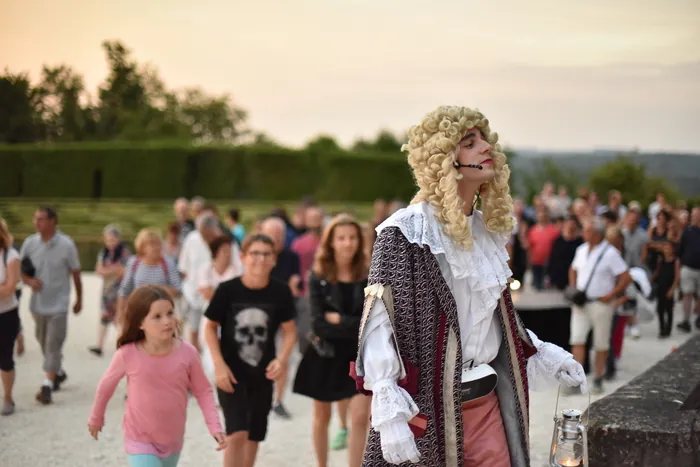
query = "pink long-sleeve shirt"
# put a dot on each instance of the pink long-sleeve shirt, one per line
(156, 409)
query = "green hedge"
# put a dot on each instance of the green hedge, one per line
(153, 172)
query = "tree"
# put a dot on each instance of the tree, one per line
(260, 138)
(123, 103)
(362, 145)
(631, 180)
(211, 119)
(19, 120)
(387, 142)
(60, 92)
(323, 144)
(549, 172)
(384, 142)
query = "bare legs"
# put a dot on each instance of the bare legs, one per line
(280, 386)
(343, 413)
(240, 452)
(101, 334)
(322, 418)
(359, 428)
(8, 381)
(359, 408)
(601, 357)
(20, 344)
(688, 306)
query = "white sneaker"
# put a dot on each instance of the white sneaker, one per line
(635, 333)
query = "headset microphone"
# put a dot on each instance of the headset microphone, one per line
(458, 166)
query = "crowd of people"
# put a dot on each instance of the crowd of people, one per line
(244, 302)
(628, 257)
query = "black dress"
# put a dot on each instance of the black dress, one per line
(327, 379)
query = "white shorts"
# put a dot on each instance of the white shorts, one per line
(594, 315)
(690, 280)
(207, 361)
(191, 314)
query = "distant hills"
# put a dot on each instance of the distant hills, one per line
(683, 170)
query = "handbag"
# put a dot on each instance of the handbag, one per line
(579, 297)
(322, 347)
(27, 267)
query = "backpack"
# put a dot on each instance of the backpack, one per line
(118, 252)
(163, 264)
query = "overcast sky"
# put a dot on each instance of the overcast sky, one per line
(550, 74)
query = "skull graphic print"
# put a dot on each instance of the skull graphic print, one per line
(251, 333)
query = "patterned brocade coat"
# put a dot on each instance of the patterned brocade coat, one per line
(428, 335)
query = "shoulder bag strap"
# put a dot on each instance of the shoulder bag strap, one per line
(164, 265)
(595, 266)
(135, 266)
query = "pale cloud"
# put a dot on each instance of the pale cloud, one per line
(548, 73)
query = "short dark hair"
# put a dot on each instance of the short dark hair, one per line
(234, 214)
(574, 219)
(216, 244)
(49, 211)
(261, 238)
(610, 215)
(665, 215)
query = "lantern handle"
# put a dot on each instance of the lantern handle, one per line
(587, 411)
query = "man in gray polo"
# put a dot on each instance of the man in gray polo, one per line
(49, 259)
(635, 239)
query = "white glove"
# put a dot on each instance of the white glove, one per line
(571, 374)
(398, 443)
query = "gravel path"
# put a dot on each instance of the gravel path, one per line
(56, 435)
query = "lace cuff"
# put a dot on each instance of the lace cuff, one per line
(543, 367)
(391, 403)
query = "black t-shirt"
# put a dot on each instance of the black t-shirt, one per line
(689, 250)
(287, 266)
(560, 259)
(249, 319)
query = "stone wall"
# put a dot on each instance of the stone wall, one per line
(641, 424)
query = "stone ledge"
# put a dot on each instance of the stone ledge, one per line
(641, 425)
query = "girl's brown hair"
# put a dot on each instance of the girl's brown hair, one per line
(5, 236)
(324, 261)
(137, 308)
(216, 244)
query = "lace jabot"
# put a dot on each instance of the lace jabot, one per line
(485, 266)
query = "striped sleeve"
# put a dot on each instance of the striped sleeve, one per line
(127, 284)
(173, 275)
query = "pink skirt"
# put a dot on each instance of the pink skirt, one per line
(485, 443)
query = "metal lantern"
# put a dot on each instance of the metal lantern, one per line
(570, 439)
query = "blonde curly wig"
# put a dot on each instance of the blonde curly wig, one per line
(432, 150)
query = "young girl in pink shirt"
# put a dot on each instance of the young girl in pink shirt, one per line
(160, 369)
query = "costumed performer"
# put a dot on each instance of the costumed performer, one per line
(442, 351)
